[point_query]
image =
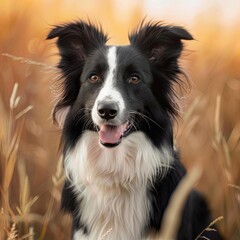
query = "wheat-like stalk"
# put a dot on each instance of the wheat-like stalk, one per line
(209, 228)
(173, 213)
(13, 235)
(10, 141)
(28, 61)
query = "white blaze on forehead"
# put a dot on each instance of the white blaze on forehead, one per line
(112, 64)
(106, 92)
(109, 91)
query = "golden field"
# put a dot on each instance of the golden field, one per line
(207, 133)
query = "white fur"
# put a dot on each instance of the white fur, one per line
(79, 235)
(112, 183)
(109, 91)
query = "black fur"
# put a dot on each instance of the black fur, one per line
(153, 54)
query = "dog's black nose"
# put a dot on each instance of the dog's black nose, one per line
(107, 110)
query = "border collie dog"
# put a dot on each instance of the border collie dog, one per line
(116, 111)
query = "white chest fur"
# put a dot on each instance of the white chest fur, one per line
(112, 184)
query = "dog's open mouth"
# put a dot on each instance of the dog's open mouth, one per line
(111, 136)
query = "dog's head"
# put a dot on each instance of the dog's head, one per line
(116, 90)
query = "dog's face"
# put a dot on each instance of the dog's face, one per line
(116, 81)
(116, 90)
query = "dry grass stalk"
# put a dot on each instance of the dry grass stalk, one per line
(172, 216)
(234, 186)
(13, 234)
(14, 100)
(23, 112)
(209, 228)
(28, 61)
(218, 133)
(9, 147)
(220, 143)
(47, 219)
(234, 138)
(25, 202)
(57, 180)
(193, 106)
(29, 235)
(9, 153)
(59, 176)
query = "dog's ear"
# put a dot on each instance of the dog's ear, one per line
(75, 42)
(160, 43)
(78, 39)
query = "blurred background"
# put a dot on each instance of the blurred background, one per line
(207, 133)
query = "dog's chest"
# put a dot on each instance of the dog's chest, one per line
(114, 213)
(112, 186)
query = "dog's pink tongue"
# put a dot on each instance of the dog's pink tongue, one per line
(110, 134)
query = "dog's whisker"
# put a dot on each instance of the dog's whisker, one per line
(146, 118)
(79, 119)
(87, 123)
(134, 123)
(137, 113)
(143, 117)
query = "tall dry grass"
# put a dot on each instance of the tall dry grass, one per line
(31, 176)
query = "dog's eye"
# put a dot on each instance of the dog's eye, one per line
(134, 79)
(94, 78)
